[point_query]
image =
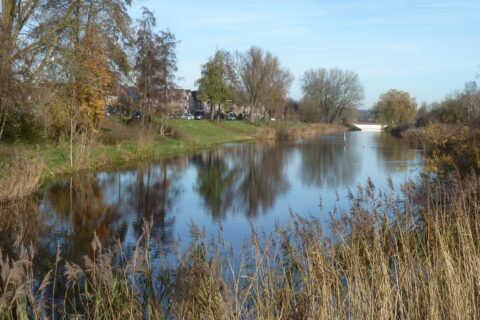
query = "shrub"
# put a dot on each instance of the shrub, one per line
(448, 147)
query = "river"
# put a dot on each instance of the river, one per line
(234, 187)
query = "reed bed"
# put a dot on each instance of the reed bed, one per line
(20, 177)
(388, 257)
(292, 130)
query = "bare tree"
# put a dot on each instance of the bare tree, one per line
(329, 94)
(28, 38)
(259, 81)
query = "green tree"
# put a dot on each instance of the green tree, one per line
(396, 107)
(213, 84)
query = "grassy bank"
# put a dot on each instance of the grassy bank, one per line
(118, 143)
(385, 258)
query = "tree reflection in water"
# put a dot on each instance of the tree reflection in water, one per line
(263, 178)
(216, 182)
(248, 179)
(20, 223)
(75, 209)
(152, 195)
(394, 153)
(113, 205)
(329, 162)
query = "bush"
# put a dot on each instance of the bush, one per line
(448, 147)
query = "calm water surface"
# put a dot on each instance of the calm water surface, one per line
(232, 187)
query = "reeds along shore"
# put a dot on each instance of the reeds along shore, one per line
(416, 258)
(291, 130)
(19, 178)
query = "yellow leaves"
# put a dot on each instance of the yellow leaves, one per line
(94, 79)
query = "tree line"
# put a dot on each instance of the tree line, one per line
(396, 107)
(63, 62)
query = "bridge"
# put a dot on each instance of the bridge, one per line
(372, 127)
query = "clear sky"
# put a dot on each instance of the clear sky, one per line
(429, 48)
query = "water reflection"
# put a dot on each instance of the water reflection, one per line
(263, 178)
(234, 185)
(394, 154)
(330, 161)
(20, 223)
(216, 182)
(113, 205)
(247, 179)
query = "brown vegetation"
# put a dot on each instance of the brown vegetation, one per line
(20, 178)
(448, 147)
(289, 130)
(415, 258)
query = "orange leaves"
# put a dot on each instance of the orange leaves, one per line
(94, 79)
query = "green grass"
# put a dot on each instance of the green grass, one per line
(195, 136)
(214, 131)
(126, 145)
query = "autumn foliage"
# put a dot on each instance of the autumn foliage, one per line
(94, 81)
(448, 147)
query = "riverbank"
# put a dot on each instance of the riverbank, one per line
(120, 144)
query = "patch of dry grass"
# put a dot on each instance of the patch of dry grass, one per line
(292, 130)
(20, 177)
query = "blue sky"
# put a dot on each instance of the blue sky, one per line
(428, 48)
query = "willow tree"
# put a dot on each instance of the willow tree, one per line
(396, 107)
(213, 85)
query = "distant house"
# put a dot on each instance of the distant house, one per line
(177, 101)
